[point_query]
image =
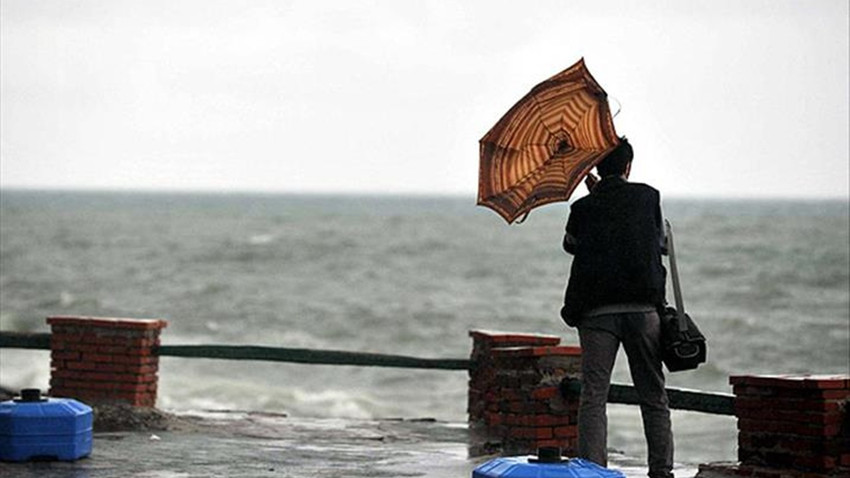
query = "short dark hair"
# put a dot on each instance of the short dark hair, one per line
(615, 163)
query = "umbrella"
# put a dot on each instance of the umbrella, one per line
(539, 151)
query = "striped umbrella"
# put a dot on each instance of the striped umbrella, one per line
(545, 144)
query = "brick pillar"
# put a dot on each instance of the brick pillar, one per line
(791, 426)
(515, 405)
(104, 360)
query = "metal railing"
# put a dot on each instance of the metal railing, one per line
(679, 399)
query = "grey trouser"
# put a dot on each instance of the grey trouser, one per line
(600, 338)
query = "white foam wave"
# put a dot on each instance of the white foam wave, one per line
(260, 239)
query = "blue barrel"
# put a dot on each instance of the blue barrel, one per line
(548, 464)
(32, 427)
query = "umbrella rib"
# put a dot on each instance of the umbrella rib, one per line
(540, 113)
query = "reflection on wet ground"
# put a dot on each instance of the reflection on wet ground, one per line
(247, 444)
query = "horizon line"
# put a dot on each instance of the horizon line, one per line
(374, 193)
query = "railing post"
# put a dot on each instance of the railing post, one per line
(104, 360)
(515, 405)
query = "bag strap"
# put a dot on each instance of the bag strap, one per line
(674, 273)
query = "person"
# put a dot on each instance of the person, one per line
(615, 289)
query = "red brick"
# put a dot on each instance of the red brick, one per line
(128, 341)
(57, 344)
(530, 432)
(525, 407)
(750, 444)
(80, 347)
(65, 373)
(541, 420)
(112, 367)
(98, 357)
(65, 355)
(791, 428)
(815, 462)
(744, 404)
(506, 394)
(72, 337)
(835, 394)
(93, 385)
(90, 339)
(80, 375)
(131, 397)
(515, 419)
(493, 419)
(130, 387)
(566, 431)
(66, 330)
(115, 350)
(135, 360)
(536, 351)
(145, 369)
(81, 366)
(809, 418)
(75, 384)
(544, 393)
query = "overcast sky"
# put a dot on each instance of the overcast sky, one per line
(719, 98)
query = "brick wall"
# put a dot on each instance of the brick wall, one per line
(514, 404)
(104, 360)
(790, 426)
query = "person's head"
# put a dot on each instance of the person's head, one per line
(618, 162)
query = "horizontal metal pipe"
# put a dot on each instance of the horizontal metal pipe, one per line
(714, 403)
(24, 340)
(679, 399)
(41, 341)
(309, 356)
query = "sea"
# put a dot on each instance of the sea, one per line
(768, 281)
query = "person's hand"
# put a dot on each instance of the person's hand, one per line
(590, 181)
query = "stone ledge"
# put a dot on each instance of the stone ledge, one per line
(504, 339)
(820, 382)
(116, 323)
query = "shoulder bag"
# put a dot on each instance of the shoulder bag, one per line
(683, 345)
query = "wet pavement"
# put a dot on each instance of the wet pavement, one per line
(247, 444)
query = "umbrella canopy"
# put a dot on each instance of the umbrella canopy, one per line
(545, 144)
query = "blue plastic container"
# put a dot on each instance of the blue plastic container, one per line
(528, 467)
(32, 427)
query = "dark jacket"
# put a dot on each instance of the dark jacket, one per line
(617, 237)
